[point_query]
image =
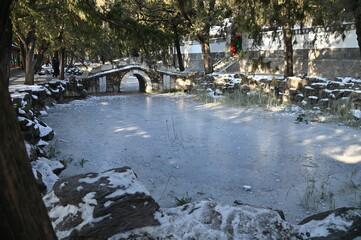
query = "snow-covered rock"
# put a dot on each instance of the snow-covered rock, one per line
(115, 205)
(341, 223)
(209, 220)
(46, 132)
(48, 169)
(22, 100)
(29, 129)
(32, 151)
(97, 206)
(356, 113)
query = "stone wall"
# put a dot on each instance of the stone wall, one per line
(194, 61)
(328, 63)
(308, 90)
(30, 102)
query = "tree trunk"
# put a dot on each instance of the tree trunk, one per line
(5, 45)
(357, 16)
(178, 49)
(40, 56)
(39, 62)
(206, 54)
(22, 211)
(287, 39)
(22, 56)
(29, 66)
(288, 51)
(27, 47)
(71, 59)
(62, 63)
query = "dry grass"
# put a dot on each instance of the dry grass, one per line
(254, 98)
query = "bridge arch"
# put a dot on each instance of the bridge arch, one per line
(145, 83)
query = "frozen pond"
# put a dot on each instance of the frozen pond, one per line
(179, 147)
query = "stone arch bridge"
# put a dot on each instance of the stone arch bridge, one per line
(150, 80)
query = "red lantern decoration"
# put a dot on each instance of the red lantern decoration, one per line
(236, 46)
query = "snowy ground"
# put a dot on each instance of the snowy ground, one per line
(179, 147)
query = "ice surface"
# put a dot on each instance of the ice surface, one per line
(217, 150)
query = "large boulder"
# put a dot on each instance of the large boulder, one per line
(97, 206)
(209, 220)
(341, 223)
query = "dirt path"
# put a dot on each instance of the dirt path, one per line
(179, 148)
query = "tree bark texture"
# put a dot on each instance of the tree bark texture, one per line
(178, 49)
(40, 56)
(287, 39)
(27, 46)
(62, 63)
(288, 50)
(22, 56)
(22, 211)
(5, 43)
(206, 54)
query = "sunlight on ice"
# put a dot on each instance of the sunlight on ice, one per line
(351, 154)
(104, 103)
(172, 161)
(125, 129)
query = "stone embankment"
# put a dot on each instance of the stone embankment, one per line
(305, 90)
(30, 103)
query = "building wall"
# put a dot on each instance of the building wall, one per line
(315, 54)
(192, 52)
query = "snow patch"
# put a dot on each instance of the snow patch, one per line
(356, 113)
(207, 220)
(125, 182)
(20, 111)
(59, 212)
(323, 228)
(46, 167)
(108, 203)
(24, 88)
(43, 113)
(42, 143)
(28, 149)
(313, 97)
(44, 130)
